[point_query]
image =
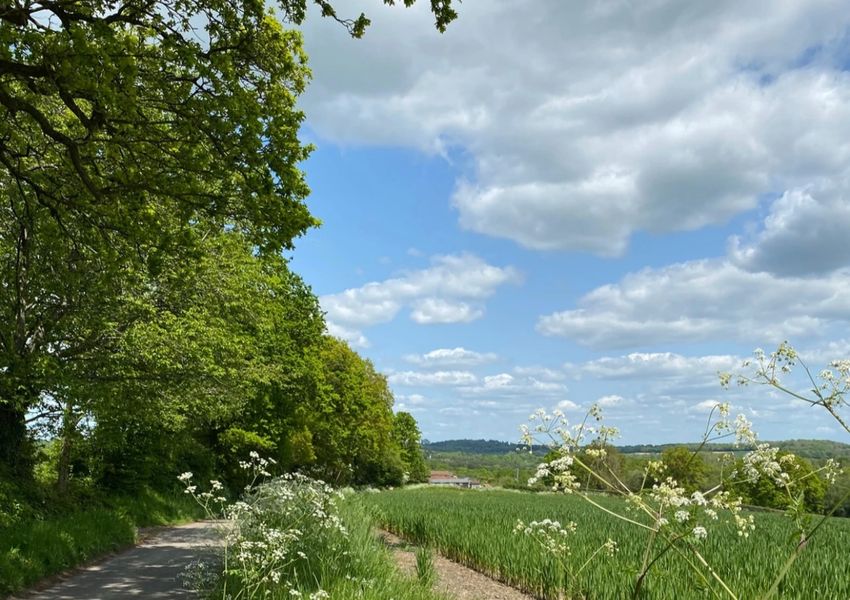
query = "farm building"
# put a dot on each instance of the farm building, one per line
(448, 478)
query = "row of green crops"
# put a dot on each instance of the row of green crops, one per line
(476, 528)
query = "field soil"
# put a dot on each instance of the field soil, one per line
(454, 580)
(150, 570)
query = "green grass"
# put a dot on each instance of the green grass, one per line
(310, 553)
(367, 571)
(475, 528)
(34, 548)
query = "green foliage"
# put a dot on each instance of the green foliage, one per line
(352, 420)
(130, 144)
(220, 355)
(425, 566)
(296, 11)
(608, 467)
(133, 116)
(297, 537)
(810, 489)
(685, 466)
(40, 542)
(407, 436)
(838, 494)
(369, 572)
(475, 528)
(150, 174)
(41, 548)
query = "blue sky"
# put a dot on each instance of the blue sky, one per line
(556, 205)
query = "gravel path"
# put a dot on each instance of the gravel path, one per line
(453, 579)
(149, 570)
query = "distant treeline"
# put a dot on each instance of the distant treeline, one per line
(816, 449)
(479, 447)
(805, 448)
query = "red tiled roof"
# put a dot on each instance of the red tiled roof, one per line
(442, 475)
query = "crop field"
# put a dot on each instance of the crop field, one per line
(476, 528)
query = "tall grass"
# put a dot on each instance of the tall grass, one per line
(476, 528)
(294, 537)
(368, 571)
(425, 566)
(38, 546)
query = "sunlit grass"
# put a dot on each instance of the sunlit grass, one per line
(35, 548)
(475, 528)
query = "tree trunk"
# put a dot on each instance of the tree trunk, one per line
(69, 429)
(15, 450)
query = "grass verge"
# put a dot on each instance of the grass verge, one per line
(37, 547)
(294, 537)
(370, 572)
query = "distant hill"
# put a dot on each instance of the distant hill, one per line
(476, 447)
(816, 449)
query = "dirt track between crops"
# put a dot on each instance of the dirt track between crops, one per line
(150, 570)
(453, 579)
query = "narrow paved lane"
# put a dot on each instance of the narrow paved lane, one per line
(149, 570)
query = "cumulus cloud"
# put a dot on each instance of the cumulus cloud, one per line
(418, 378)
(412, 403)
(507, 385)
(610, 400)
(352, 336)
(451, 290)
(655, 365)
(541, 373)
(593, 120)
(825, 353)
(704, 300)
(500, 381)
(805, 233)
(437, 310)
(414, 399)
(451, 357)
(706, 406)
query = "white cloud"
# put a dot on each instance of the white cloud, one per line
(452, 289)
(610, 400)
(418, 378)
(593, 120)
(502, 380)
(805, 233)
(568, 405)
(459, 411)
(824, 354)
(451, 357)
(541, 373)
(505, 384)
(704, 300)
(411, 399)
(655, 365)
(352, 336)
(706, 406)
(436, 310)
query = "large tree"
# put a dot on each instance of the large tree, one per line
(219, 334)
(113, 112)
(409, 439)
(351, 419)
(129, 131)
